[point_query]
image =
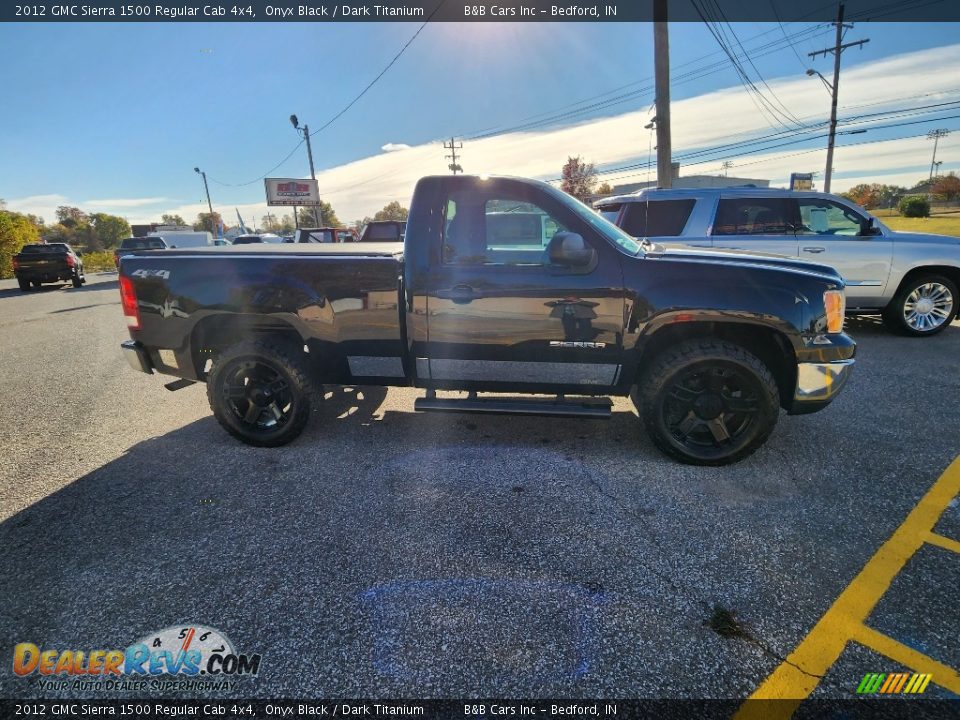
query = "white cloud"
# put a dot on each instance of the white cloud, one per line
(394, 147)
(123, 202)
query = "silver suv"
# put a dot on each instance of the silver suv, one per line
(910, 277)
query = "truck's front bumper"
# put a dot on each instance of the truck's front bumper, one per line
(137, 356)
(818, 383)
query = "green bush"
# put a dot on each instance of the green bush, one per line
(98, 261)
(914, 206)
(15, 232)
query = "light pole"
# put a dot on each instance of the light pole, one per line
(305, 131)
(207, 188)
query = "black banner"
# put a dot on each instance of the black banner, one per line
(865, 708)
(465, 11)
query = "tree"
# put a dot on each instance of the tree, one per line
(208, 222)
(168, 219)
(70, 216)
(271, 224)
(605, 189)
(15, 232)
(325, 214)
(874, 195)
(946, 187)
(578, 178)
(108, 231)
(392, 211)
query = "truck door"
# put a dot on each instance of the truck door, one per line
(756, 224)
(831, 233)
(500, 313)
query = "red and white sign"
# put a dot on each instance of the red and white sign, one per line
(291, 191)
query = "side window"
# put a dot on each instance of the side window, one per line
(497, 231)
(657, 218)
(825, 217)
(753, 216)
(344, 236)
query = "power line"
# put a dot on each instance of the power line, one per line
(289, 155)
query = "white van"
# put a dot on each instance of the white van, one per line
(184, 238)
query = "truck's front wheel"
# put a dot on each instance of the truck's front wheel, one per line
(708, 402)
(260, 393)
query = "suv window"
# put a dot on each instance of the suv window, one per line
(754, 216)
(657, 218)
(610, 212)
(497, 231)
(826, 217)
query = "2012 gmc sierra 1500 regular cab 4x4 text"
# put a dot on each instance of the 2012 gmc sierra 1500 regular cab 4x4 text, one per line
(710, 344)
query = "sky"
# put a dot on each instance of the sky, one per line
(114, 117)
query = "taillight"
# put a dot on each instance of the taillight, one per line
(128, 300)
(70, 261)
(16, 264)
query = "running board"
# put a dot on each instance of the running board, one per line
(587, 407)
(179, 384)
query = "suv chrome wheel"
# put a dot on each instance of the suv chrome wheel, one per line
(928, 307)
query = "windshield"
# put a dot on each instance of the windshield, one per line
(599, 223)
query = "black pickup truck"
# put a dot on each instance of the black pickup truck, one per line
(48, 262)
(709, 344)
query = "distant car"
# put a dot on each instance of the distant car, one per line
(911, 278)
(384, 231)
(323, 235)
(185, 238)
(262, 238)
(48, 262)
(138, 243)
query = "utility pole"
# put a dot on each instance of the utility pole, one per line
(726, 165)
(935, 135)
(453, 147)
(837, 50)
(661, 61)
(305, 131)
(207, 188)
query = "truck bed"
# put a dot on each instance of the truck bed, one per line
(384, 249)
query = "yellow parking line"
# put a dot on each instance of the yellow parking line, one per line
(942, 675)
(944, 542)
(801, 672)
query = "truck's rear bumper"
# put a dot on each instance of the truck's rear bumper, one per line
(818, 384)
(137, 356)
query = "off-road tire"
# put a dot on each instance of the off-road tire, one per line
(710, 361)
(281, 358)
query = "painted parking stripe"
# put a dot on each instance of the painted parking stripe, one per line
(845, 621)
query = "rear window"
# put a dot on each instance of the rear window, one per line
(247, 240)
(610, 212)
(316, 236)
(383, 232)
(38, 249)
(147, 243)
(657, 218)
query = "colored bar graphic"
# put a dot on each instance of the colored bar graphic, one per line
(893, 683)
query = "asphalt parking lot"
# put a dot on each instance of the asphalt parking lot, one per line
(393, 554)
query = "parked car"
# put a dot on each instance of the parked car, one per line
(138, 243)
(710, 344)
(911, 278)
(259, 238)
(48, 262)
(323, 235)
(384, 231)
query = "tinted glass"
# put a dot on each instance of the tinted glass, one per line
(37, 249)
(384, 232)
(609, 212)
(754, 216)
(657, 218)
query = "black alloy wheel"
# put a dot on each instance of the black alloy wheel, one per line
(709, 402)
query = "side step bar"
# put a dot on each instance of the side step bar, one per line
(586, 407)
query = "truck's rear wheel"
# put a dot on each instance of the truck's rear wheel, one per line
(260, 393)
(924, 305)
(77, 279)
(708, 402)
(24, 285)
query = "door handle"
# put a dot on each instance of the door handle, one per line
(814, 249)
(462, 294)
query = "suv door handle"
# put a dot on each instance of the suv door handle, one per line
(814, 249)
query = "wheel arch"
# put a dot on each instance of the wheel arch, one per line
(948, 271)
(213, 334)
(772, 347)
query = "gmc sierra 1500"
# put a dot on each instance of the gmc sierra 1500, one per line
(709, 344)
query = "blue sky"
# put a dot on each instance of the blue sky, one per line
(114, 117)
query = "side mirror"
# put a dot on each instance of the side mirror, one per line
(869, 227)
(569, 249)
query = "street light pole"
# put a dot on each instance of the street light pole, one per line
(305, 130)
(207, 189)
(935, 135)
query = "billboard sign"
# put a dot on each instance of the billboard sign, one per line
(291, 191)
(801, 181)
